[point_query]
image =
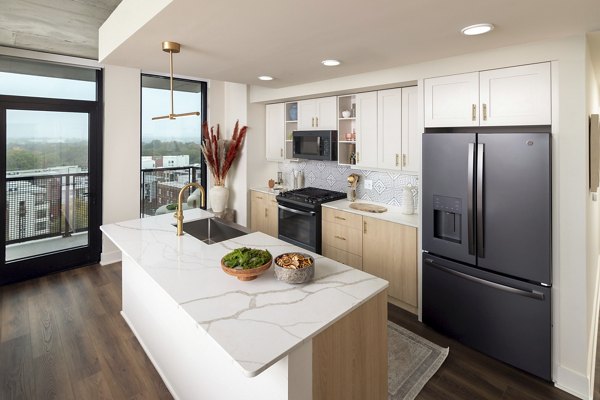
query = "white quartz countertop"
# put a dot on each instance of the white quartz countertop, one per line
(266, 190)
(258, 322)
(393, 213)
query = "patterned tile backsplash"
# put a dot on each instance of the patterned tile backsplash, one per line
(387, 186)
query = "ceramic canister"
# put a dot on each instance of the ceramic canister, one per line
(408, 201)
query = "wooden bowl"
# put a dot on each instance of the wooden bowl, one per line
(246, 274)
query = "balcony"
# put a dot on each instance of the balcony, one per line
(45, 213)
(160, 187)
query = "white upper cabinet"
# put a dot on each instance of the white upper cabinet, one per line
(275, 131)
(317, 114)
(386, 133)
(390, 128)
(516, 96)
(411, 139)
(501, 97)
(307, 110)
(452, 100)
(366, 130)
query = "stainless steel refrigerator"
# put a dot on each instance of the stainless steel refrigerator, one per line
(487, 243)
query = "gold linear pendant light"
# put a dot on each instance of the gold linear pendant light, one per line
(173, 47)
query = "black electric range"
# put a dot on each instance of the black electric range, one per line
(300, 215)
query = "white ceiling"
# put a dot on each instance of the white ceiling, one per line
(238, 40)
(68, 27)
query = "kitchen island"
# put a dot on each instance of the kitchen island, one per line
(211, 336)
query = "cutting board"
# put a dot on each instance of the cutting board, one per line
(368, 207)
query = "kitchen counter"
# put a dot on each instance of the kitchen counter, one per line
(393, 213)
(266, 190)
(256, 325)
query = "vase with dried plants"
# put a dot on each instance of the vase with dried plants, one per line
(219, 154)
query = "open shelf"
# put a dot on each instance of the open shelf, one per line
(346, 125)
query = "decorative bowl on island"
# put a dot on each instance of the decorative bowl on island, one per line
(294, 267)
(245, 263)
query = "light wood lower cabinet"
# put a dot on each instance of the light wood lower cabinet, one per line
(382, 248)
(263, 213)
(342, 256)
(390, 252)
(342, 237)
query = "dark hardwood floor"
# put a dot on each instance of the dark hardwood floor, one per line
(62, 337)
(468, 374)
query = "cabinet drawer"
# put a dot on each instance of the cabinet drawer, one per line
(342, 256)
(342, 218)
(254, 195)
(343, 238)
(258, 195)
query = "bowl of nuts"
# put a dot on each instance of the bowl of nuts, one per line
(294, 267)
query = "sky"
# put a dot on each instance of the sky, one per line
(69, 126)
(156, 102)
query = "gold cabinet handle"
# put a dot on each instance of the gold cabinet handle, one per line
(365, 227)
(258, 197)
(357, 157)
(337, 217)
(281, 152)
(312, 123)
(340, 237)
(266, 212)
(317, 119)
(474, 112)
(397, 160)
(404, 160)
(484, 112)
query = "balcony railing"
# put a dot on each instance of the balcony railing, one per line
(42, 206)
(160, 186)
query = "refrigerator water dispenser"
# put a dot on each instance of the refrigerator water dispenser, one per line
(446, 218)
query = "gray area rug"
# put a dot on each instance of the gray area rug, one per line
(412, 361)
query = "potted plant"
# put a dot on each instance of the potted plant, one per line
(219, 155)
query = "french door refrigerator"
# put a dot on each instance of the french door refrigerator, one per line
(487, 243)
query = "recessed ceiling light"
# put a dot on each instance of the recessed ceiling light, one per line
(330, 63)
(478, 29)
(265, 78)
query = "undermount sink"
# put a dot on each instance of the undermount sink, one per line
(213, 230)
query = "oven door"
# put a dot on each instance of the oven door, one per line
(300, 227)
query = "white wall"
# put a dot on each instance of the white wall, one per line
(571, 311)
(228, 102)
(121, 169)
(593, 228)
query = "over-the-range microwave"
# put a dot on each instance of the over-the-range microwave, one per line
(315, 145)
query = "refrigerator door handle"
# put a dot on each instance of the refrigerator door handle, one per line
(470, 215)
(527, 293)
(480, 221)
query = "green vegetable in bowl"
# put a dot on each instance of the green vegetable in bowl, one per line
(246, 258)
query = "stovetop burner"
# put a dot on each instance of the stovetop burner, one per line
(310, 196)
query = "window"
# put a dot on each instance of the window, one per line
(170, 149)
(21, 77)
(52, 143)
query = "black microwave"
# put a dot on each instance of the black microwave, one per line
(315, 145)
